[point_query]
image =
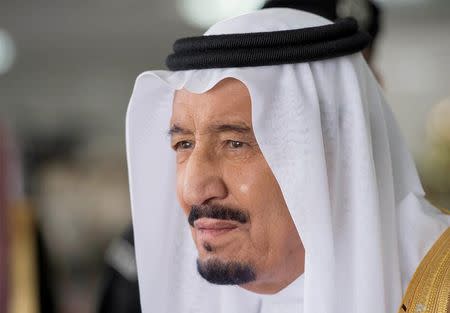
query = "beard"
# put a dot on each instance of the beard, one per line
(226, 273)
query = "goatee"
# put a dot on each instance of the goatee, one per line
(226, 273)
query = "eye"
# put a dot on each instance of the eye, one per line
(234, 144)
(183, 145)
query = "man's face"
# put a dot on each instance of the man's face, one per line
(239, 220)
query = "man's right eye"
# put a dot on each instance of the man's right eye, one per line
(183, 145)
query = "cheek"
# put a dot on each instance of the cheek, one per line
(243, 185)
(257, 191)
(243, 188)
(180, 189)
(256, 183)
(254, 190)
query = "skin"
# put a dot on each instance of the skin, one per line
(220, 165)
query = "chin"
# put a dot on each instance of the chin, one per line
(226, 272)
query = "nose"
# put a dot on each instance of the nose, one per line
(203, 181)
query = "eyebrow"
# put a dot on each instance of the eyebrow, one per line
(175, 129)
(217, 128)
(237, 128)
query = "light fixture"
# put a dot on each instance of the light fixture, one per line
(204, 13)
(7, 51)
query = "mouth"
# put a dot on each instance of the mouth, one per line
(208, 228)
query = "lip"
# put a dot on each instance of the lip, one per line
(209, 228)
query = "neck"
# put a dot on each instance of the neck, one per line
(286, 273)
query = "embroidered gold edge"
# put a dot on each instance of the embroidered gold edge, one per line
(444, 210)
(429, 289)
(24, 291)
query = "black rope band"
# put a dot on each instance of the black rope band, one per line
(326, 9)
(268, 48)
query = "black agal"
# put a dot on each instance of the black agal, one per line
(268, 48)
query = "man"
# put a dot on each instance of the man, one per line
(284, 165)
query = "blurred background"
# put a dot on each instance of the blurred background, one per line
(67, 70)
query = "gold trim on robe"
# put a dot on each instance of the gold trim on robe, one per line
(429, 289)
(23, 261)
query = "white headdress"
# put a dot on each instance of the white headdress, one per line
(333, 145)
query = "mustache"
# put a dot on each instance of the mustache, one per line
(217, 212)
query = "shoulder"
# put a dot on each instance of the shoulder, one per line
(429, 289)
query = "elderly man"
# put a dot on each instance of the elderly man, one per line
(267, 174)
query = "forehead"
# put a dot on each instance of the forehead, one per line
(228, 99)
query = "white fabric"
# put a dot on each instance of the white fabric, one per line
(346, 175)
(288, 300)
